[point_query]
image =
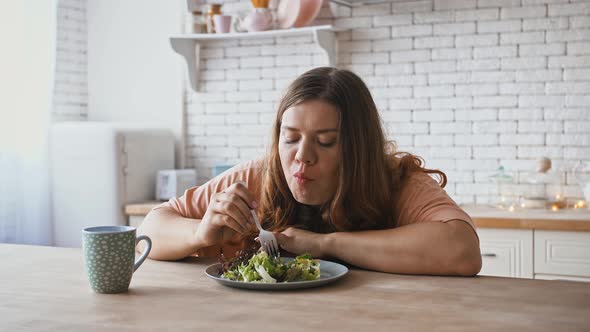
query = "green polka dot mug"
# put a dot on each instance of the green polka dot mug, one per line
(109, 257)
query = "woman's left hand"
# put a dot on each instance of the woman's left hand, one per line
(299, 241)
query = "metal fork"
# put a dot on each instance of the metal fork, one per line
(267, 239)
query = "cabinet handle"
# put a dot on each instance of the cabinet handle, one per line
(488, 255)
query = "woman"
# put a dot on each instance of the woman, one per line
(331, 186)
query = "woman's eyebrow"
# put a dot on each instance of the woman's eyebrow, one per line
(319, 131)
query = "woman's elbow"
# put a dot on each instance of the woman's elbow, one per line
(467, 255)
(147, 226)
(152, 223)
(469, 262)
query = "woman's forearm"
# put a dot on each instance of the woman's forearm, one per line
(422, 248)
(172, 235)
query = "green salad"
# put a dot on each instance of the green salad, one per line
(263, 268)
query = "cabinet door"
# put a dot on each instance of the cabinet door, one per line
(506, 252)
(562, 253)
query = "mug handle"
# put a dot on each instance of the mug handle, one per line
(145, 252)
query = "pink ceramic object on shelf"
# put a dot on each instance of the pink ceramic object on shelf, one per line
(259, 19)
(297, 13)
(222, 23)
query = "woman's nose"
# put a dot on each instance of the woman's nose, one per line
(305, 154)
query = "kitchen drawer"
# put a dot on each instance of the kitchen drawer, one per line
(506, 252)
(562, 253)
(556, 277)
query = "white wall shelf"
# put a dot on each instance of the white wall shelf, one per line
(189, 45)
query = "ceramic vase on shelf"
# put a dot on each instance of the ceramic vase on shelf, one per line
(214, 9)
(260, 18)
(196, 20)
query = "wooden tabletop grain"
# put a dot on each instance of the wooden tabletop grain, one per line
(45, 289)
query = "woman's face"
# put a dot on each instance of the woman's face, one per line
(310, 151)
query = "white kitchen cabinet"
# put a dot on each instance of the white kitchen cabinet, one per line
(506, 252)
(562, 254)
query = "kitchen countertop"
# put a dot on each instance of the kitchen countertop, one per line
(562, 220)
(483, 216)
(140, 209)
(45, 289)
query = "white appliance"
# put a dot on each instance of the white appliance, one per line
(97, 168)
(173, 182)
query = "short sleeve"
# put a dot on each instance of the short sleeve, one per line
(193, 204)
(422, 199)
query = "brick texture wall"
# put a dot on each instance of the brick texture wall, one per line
(71, 92)
(469, 85)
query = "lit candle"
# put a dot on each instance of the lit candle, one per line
(580, 205)
(554, 207)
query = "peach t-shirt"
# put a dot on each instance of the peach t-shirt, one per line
(421, 199)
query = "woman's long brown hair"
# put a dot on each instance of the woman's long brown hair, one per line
(371, 173)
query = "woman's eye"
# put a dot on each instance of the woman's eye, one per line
(289, 140)
(327, 144)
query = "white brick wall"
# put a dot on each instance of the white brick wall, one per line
(467, 84)
(71, 93)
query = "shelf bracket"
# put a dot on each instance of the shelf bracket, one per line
(327, 41)
(190, 50)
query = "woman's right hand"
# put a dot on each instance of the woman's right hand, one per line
(227, 215)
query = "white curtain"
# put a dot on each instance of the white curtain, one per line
(27, 67)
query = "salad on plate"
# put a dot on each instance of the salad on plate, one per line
(259, 267)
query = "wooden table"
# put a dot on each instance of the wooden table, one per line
(45, 289)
